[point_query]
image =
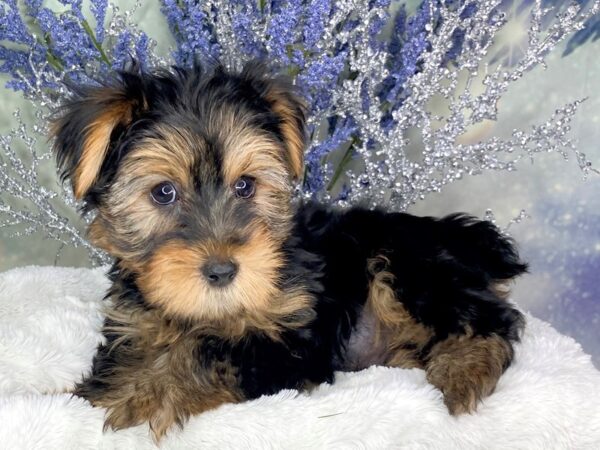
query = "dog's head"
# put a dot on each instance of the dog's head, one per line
(191, 174)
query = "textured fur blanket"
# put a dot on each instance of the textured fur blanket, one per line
(49, 328)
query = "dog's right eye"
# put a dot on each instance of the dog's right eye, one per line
(164, 193)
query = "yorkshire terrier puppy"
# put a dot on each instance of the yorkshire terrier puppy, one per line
(225, 290)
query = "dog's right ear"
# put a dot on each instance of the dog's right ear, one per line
(86, 127)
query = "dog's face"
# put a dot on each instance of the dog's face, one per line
(191, 176)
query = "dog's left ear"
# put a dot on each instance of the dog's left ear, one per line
(86, 128)
(291, 110)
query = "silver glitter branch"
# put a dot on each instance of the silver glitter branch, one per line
(489, 216)
(392, 175)
(26, 203)
(221, 15)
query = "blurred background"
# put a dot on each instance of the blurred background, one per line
(561, 237)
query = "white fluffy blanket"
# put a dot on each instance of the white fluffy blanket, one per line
(49, 328)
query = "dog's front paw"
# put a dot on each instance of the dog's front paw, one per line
(120, 416)
(162, 421)
(161, 418)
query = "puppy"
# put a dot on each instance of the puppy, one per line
(224, 290)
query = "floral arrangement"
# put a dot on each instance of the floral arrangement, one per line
(372, 72)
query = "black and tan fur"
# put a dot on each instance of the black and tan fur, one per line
(316, 290)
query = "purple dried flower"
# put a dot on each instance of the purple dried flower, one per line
(141, 50)
(33, 6)
(98, 8)
(192, 31)
(297, 60)
(320, 77)
(12, 28)
(458, 37)
(282, 29)
(75, 6)
(13, 61)
(128, 49)
(318, 11)
(315, 177)
(122, 51)
(66, 38)
(378, 24)
(406, 47)
(242, 27)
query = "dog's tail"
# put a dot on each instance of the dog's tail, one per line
(479, 244)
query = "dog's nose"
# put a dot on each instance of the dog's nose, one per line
(219, 273)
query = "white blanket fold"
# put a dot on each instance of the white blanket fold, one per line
(49, 329)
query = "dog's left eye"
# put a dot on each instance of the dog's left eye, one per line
(164, 193)
(244, 187)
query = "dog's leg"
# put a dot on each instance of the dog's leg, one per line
(466, 368)
(161, 396)
(400, 335)
(156, 379)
